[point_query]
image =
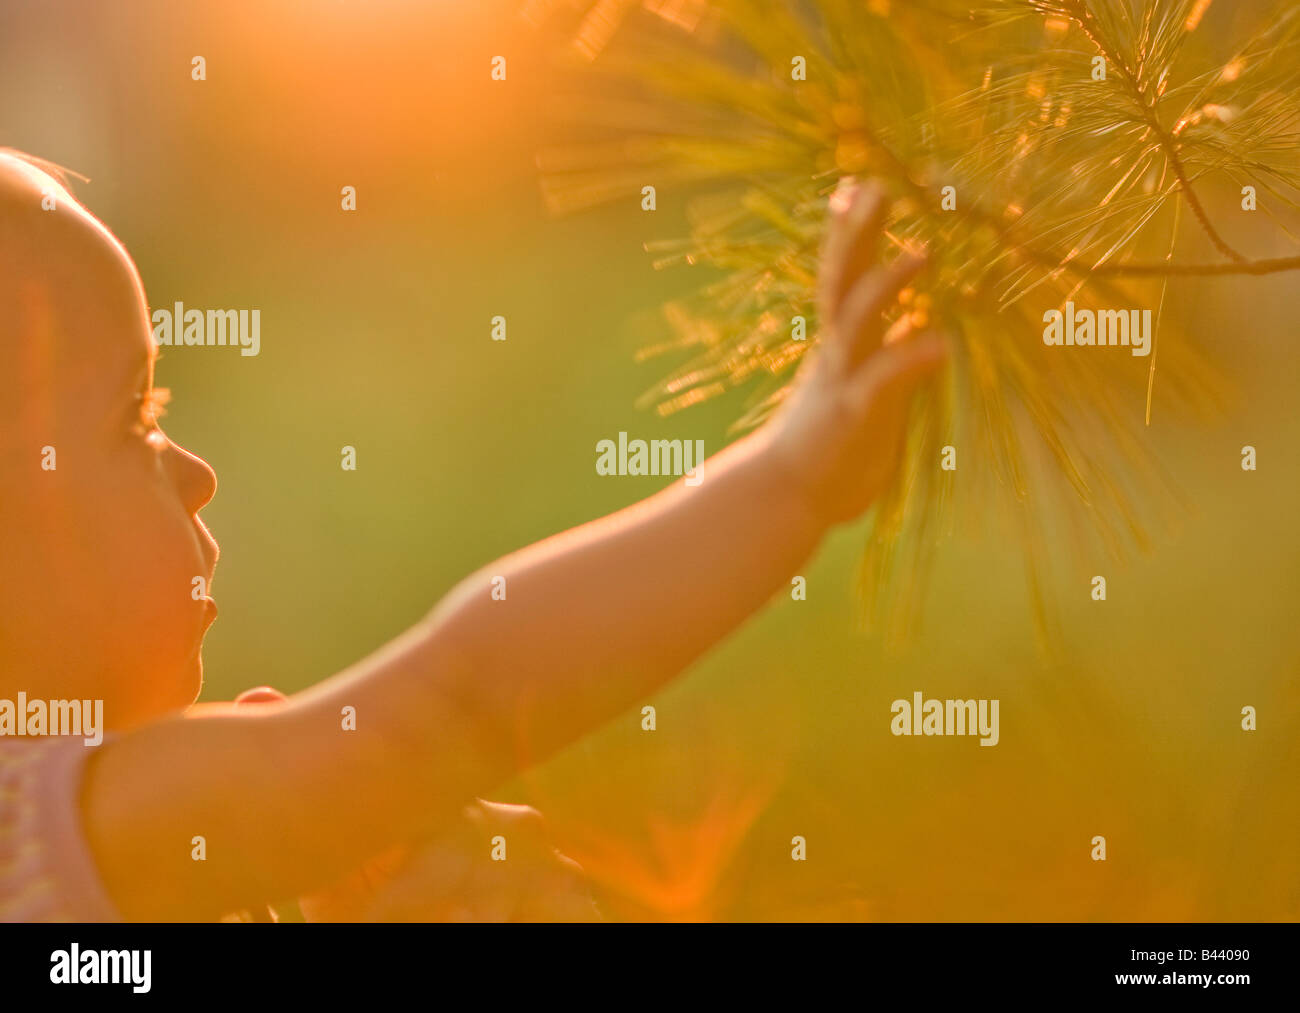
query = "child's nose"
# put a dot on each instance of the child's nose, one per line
(194, 478)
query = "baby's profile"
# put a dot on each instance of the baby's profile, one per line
(103, 596)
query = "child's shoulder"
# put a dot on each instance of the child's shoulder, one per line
(46, 869)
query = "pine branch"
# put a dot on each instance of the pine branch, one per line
(1149, 104)
(1240, 264)
(1256, 267)
(1057, 176)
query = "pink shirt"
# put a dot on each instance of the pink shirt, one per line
(47, 872)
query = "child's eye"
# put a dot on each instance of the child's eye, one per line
(153, 405)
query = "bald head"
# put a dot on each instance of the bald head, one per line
(73, 316)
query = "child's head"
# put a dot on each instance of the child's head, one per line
(100, 539)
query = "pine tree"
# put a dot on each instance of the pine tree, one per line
(1096, 152)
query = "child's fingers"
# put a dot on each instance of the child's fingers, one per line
(900, 330)
(861, 323)
(896, 369)
(857, 215)
(558, 893)
(520, 823)
(437, 883)
(506, 813)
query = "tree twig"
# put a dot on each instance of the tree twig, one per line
(1272, 265)
(1083, 17)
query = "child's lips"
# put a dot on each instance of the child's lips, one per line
(209, 609)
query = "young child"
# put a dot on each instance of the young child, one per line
(101, 551)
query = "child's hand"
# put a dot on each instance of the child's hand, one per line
(454, 878)
(839, 434)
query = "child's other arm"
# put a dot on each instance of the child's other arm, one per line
(593, 622)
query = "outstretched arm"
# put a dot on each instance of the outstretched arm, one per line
(594, 621)
(599, 617)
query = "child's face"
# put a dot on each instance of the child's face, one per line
(98, 508)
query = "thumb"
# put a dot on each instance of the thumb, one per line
(260, 694)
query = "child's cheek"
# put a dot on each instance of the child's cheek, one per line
(159, 555)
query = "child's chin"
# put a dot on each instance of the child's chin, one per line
(196, 678)
(186, 684)
(169, 693)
